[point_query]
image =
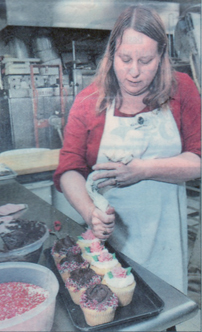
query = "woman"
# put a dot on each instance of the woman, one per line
(138, 127)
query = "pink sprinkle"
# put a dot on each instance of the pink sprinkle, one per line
(86, 303)
(17, 298)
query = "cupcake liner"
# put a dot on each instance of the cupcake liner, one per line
(57, 257)
(124, 294)
(65, 275)
(102, 270)
(76, 295)
(94, 317)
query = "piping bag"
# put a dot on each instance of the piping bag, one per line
(92, 186)
(93, 191)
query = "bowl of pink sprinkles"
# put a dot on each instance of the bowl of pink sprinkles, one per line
(27, 297)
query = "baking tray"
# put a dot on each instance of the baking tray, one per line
(145, 303)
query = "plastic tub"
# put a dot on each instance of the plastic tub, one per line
(29, 253)
(41, 317)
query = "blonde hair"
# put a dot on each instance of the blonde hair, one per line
(146, 21)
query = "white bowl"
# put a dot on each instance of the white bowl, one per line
(41, 317)
(29, 253)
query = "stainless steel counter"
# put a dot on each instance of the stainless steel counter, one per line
(178, 307)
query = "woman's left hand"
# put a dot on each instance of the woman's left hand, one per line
(184, 167)
(119, 174)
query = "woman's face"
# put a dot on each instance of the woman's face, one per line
(136, 62)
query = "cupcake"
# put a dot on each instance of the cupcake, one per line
(61, 247)
(94, 249)
(98, 304)
(79, 280)
(122, 283)
(71, 261)
(86, 239)
(104, 262)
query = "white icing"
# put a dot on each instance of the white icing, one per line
(105, 264)
(119, 282)
(95, 253)
(89, 241)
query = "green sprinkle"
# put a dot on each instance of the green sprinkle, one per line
(128, 270)
(80, 237)
(87, 249)
(95, 258)
(110, 275)
(114, 256)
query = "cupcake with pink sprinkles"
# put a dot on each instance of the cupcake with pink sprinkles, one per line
(86, 239)
(71, 262)
(79, 281)
(62, 246)
(98, 304)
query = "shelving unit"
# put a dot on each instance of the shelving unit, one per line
(194, 239)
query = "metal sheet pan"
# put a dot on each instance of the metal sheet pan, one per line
(145, 303)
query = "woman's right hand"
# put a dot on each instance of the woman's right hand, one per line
(73, 186)
(102, 223)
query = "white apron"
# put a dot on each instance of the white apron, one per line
(151, 215)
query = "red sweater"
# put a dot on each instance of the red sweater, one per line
(84, 129)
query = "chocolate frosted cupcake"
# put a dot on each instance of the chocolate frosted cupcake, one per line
(98, 304)
(79, 281)
(61, 247)
(71, 262)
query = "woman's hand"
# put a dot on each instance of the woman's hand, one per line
(184, 167)
(102, 223)
(119, 174)
(73, 186)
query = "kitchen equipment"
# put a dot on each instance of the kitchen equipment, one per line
(16, 66)
(188, 40)
(18, 48)
(43, 49)
(41, 317)
(31, 94)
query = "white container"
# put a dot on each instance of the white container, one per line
(42, 189)
(41, 317)
(29, 253)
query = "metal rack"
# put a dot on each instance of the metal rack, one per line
(59, 117)
(193, 216)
